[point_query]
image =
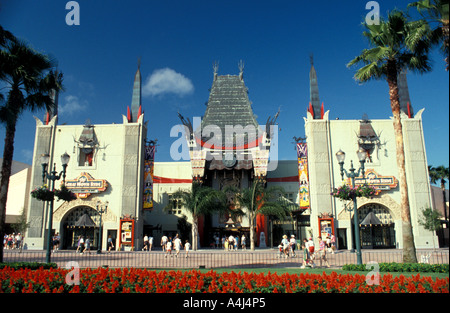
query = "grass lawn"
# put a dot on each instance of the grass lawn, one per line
(316, 271)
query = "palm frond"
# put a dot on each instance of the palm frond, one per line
(370, 71)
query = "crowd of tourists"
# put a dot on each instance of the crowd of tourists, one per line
(12, 241)
(288, 247)
(175, 244)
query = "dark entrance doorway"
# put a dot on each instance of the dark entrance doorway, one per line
(71, 228)
(376, 227)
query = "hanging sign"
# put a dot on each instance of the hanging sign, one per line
(84, 185)
(302, 156)
(149, 164)
(381, 183)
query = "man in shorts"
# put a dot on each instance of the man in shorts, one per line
(177, 244)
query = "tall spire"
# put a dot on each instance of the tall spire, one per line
(403, 94)
(136, 99)
(53, 94)
(314, 92)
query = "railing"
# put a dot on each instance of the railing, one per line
(214, 258)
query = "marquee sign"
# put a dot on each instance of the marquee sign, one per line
(381, 183)
(84, 185)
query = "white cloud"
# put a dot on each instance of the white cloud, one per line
(26, 155)
(166, 80)
(71, 105)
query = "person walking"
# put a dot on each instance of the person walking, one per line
(285, 243)
(87, 246)
(150, 243)
(178, 245)
(81, 243)
(243, 239)
(187, 247)
(236, 242)
(164, 242)
(333, 243)
(169, 247)
(311, 248)
(323, 252)
(306, 257)
(78, 244)
(146, 243)
(55, 242)
(110, 244)
(216, 239)
(223, 241)
(292, 243)
(19, 241)
(231, 242)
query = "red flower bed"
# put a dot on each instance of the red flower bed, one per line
(146, 281)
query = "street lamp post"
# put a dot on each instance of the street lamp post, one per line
(340, 155)
(101, 208)
(52, 176)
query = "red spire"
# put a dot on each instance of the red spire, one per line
(47, 118)
(311, 110)
(128, 114)
(321, 112)
(139, 112)
(409, 109)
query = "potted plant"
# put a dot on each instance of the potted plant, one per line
(346, 192)
(42, 193)
(65, 194)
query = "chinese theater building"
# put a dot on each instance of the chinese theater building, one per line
(105, 171)
(112, 169)
(379, 216)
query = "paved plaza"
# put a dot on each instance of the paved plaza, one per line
(216, 258)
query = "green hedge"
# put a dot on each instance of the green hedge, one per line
(30, 265)
(400, 267)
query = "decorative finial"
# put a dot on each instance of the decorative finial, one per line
(215, 69)
(311, 59)
(241, 69)
(139, 63)
(241, 66)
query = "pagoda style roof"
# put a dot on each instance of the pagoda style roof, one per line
(229, 108)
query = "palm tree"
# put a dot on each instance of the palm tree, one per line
(440, 173)
(28, 78)
(396, 44)
(259, 200)
(436, 12)
(199, 201)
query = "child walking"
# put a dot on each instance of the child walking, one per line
(306, 257)
(187, 246)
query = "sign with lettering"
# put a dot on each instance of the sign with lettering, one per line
(302, 156)
(84, 185)
(381, 183)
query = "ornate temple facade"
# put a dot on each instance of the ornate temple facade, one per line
(229, 147)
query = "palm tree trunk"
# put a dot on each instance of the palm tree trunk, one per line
(195, 233)
(6, 173)
(444, 199)
(409, 249)
(252, 231)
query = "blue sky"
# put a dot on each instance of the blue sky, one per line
(179, 40)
